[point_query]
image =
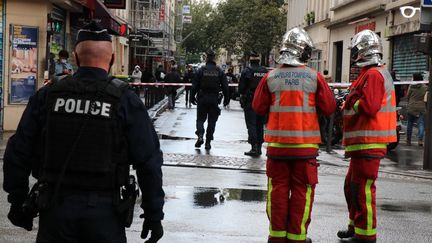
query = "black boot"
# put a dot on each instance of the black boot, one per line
(258, 149)
(207, 144)
(346, 233)
(199, 142)
(308, 240)
(355, 240)
(253, 152)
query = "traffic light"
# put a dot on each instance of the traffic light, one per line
(54, 25)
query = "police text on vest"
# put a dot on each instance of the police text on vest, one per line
(79, 106)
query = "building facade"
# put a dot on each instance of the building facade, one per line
(332, 24)
(32, 34)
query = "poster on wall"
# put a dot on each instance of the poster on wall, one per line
(23, 63)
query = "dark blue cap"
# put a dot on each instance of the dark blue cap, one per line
(93, 32)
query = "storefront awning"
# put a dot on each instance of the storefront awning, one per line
(107, 19)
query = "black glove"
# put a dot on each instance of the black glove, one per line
(226, 101)
(243, 101)
(18, 218)
(156, 230)
(193, 100)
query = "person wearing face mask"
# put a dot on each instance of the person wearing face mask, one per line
(78, 137)
(62, 66)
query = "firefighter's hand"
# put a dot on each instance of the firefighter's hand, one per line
(18, 218)
(156, 230)
(351, 99)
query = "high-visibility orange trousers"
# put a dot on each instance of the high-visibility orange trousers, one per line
(359, 191)
(291, 189)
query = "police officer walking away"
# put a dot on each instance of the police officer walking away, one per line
(208, 81)
(249, 80)
(78, 137)
(292, 96)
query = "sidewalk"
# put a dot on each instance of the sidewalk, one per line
(176, 131)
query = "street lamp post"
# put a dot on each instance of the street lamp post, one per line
(425, 46)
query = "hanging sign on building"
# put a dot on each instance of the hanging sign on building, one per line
(367, 26)
(162, 12)
(426, 3)
(23, 63)
(117, 4)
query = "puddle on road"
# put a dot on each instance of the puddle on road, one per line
(406, 159)
(209, 197)
(407, 207)
(168, 137)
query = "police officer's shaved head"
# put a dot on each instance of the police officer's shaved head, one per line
(94, 47)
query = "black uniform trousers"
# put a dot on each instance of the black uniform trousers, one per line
(254, 123)
(207, 108)
(86, 217)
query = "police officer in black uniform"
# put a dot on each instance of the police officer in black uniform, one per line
(78, 137)
(208, 81)
(249, 79)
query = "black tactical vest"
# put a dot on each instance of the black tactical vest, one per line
(257, 73)
(210, 82)
(84, 113)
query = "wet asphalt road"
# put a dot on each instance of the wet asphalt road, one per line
(228, 206)
(209, 204)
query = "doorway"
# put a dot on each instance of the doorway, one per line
(338, 47)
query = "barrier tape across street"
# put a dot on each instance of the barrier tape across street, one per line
(335, 85)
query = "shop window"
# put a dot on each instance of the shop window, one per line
(406, 60)
(315, 60)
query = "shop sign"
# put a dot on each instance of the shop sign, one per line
(23, 63)
(117, 4)
(404, 28)
(162, 12)
(426, 3)
(368, 26)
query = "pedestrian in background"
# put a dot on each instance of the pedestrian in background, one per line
(232, 79)
(171, 90)
(292, 96)
(78, 137)
(136, 74)
(369, 125)
(208, 82)
(160, 74)
(249, 80)
(416, 109)
(399, 89)
(187, 78)
(62, 66)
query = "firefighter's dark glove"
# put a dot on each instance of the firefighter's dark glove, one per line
(351, 99)
(193, 100)
(156, 230)
(243, 101)
(18, 218)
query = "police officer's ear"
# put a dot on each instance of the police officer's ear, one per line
(76, 59)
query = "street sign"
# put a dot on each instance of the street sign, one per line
(186, 9)
(426, 3)
(187, 19)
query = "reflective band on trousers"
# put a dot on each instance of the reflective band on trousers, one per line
(357, 147)
(273, 233)
(289, 145)
(370, 133)
(283, 133)
(306, 213)
(369, 231)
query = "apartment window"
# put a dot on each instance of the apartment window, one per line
(315, 60)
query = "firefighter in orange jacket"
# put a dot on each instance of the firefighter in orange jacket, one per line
(369, 125)
(292, 96)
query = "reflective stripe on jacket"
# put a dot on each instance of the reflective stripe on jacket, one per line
(381, 128)
(293, 116)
